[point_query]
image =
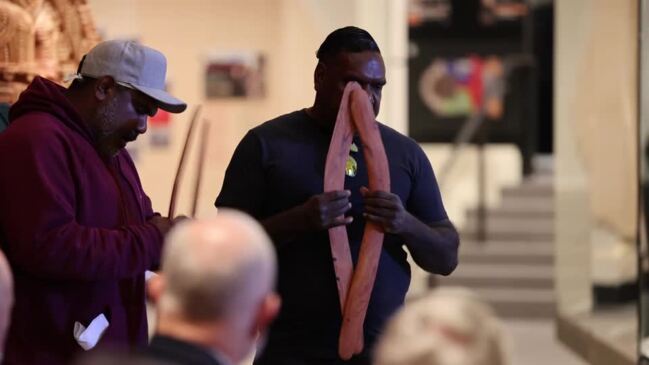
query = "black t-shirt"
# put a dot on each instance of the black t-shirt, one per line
(279, 165)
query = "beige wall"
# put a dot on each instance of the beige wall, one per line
(595, 144)
(186, 34)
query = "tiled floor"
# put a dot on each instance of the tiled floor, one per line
(535, 343)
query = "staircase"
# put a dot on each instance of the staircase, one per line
(513, 268)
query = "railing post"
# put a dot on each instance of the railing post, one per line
(481, 223)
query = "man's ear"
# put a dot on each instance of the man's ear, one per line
(104, 87)
(319, 75)
(155, 286)
(267, 312)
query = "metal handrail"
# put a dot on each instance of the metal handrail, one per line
(466, 134)
(473, 125)
(475, 120)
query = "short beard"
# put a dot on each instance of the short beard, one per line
(105, 127)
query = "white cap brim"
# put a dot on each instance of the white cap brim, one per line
(164, 100)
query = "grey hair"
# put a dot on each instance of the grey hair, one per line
(215, 267)
(449, 326)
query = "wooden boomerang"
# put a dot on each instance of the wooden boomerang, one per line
(181, 164)
(334, 179)
(356, 104)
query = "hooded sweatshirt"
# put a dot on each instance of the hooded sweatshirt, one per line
(74, 227)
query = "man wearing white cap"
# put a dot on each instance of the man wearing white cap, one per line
(75, 223)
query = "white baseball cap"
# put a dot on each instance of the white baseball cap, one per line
(132, 65)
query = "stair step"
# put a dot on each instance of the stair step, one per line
(548, 244)
(513, 269)
(500, 276)
(506, 252)
(530, 190)
(522, 229)
(508, 212)
(513, 224)
(517, 295)
(512, 236)
(528, 204)
(520, 303)
(508, 234)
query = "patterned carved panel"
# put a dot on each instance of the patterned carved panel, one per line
(41, 37)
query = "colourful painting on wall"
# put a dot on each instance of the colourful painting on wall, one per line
(458, 87)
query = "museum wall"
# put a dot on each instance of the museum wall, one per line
(595, 144)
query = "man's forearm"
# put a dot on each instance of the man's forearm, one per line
(434, 248)
(285, 225)
(319, 212)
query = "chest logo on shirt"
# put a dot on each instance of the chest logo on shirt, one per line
(351, 166)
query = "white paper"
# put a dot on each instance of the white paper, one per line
(87, 338)
(148, 275)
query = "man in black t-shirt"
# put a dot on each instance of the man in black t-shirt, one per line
(276, 175)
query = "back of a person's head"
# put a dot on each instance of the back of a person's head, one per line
(347, 39)
(6, 299)
(449, 326)
(217, 269)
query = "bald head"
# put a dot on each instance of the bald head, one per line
(216, 285)
(6, 299)
(216, 268)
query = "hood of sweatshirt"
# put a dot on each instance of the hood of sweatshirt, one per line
(43, 95)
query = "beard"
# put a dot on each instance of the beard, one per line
(106, 119)
(106, 128)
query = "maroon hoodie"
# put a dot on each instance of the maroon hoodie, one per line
(75, 230)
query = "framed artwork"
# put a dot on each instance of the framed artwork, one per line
(459, 87)
(449, 82)
(235, 74)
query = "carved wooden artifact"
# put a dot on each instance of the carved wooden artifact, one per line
(355, 115)
(41, 37)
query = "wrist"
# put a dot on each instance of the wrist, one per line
(409, 224)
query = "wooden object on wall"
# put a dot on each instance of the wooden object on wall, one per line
(17, 46)
(42, 37)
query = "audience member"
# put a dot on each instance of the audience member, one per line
(215, 292)
(450, 326)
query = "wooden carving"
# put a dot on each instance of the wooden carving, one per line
(355, 114)
(334, 179)
(41, 37)
(16, 50)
